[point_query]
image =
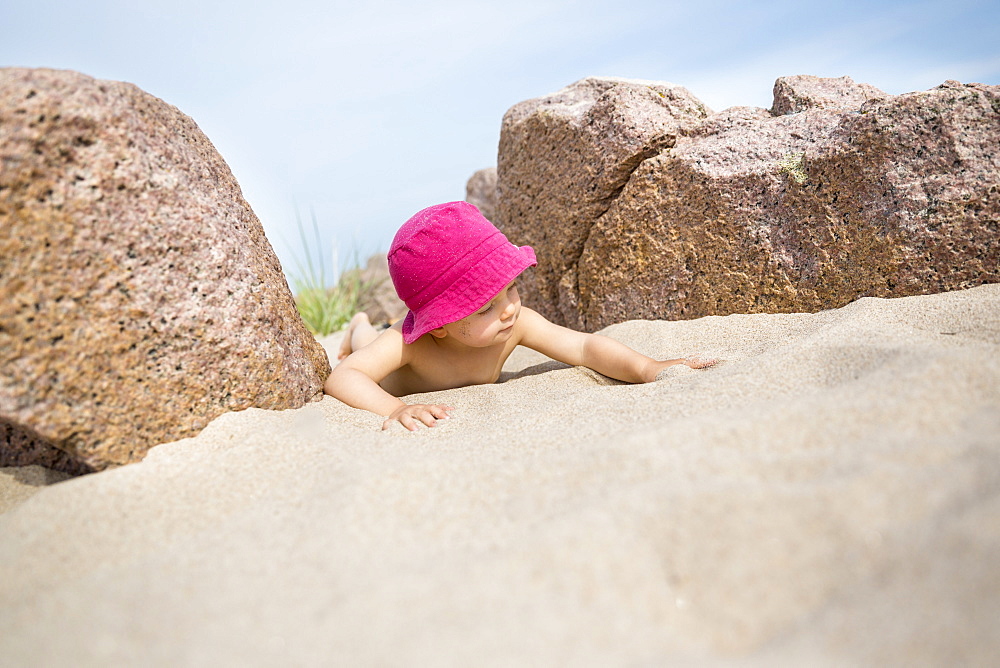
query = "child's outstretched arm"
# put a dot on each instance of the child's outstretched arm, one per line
(355, 381)
(600, 353)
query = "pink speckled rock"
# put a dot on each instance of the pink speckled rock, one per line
(798, 93)
(139, 298)
(751, 212)
(564, 158)
(481, 192)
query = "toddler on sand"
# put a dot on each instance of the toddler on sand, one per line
(456, 273)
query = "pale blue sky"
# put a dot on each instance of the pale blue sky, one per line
(365, 112)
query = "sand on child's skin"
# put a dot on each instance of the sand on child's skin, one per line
(828, 495)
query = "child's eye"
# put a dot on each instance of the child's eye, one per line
(486, 310)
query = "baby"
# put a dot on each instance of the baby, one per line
(456, 273)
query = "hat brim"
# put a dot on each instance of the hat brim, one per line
(469, 292)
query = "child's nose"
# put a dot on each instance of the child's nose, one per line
(508, 310)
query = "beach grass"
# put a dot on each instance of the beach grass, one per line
(326, 303)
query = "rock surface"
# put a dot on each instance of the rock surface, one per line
(139, 298)
(563, 160)
(802, 92)
(748, 212)
(481, 192)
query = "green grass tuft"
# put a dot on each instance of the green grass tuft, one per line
(323, 308)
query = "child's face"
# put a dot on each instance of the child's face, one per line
(491, 324)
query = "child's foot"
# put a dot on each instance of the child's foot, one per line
(345, 345)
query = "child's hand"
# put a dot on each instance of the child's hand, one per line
(699, 362)
(654, 369)
(409, 414)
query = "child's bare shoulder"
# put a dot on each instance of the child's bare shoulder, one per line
(530, 319)
(533, 325)
(386, 353)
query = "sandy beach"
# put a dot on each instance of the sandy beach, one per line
(828, 495)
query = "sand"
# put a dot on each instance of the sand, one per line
(828, 495)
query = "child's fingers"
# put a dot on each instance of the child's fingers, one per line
(427, 417)
(410, 422)
(432, 413)
(404, 420)
(700, 363)
(440, 412)
(428, 414)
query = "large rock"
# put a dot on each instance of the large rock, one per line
(563, 160)
(752, 212)
(139, 298)
(481, 192)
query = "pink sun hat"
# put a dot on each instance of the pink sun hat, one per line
(447, 261)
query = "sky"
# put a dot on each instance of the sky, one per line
(358, 114)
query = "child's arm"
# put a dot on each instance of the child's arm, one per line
(600, 353)
(355, 381)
